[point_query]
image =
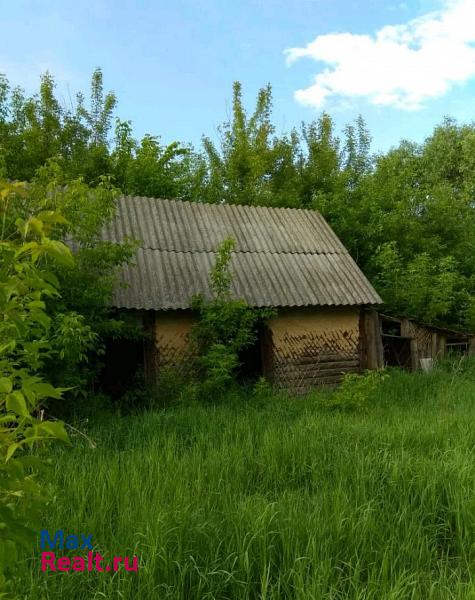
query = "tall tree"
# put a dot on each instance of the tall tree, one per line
(250, 165)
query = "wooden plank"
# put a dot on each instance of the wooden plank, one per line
(433, 346)
(442, 340)
(318, 358)
(414, 355)
(317, 367)
(374, 343)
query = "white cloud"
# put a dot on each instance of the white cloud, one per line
(401, 66)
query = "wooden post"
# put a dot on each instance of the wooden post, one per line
(433, 351)
(379, 341)
(414, 356)
(374, 354)
(441, 346)
(406, 330)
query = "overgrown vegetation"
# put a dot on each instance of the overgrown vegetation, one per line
(53, 315)
(279, 498)
(80, 313)
(225, 326)
(27, 281)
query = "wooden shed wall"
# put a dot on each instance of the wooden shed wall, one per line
(313, 346)
(426, 341)
(301, 348)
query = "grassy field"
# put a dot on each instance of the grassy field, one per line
(277, 498)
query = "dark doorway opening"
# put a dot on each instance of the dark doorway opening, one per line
(397, 351)
(123, 364)
(251, 359)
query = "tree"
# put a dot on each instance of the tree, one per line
(318, 162)
(251, 166)
(147, 168)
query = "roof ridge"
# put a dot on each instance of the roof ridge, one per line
(267, 252)
(221, 204)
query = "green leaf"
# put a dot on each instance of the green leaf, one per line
(34, 224)
(6, 385)
(16, 403)
(55, 429)
(59, 251)
(9, 418)
(8, 346)
(29, 247)
(51, 216)
(36, 304)
(11, 450)
(46, 390)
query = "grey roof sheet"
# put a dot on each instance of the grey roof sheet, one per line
(283, 256)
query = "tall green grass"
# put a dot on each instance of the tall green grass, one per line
(280, 498)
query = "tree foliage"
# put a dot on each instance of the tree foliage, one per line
(81, 313)
(406, 216)
(27, 281)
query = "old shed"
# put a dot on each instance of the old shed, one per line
(289, 259)
(410, 344)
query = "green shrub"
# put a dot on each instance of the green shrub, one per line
(225, 327)
(355, 391)
(26, 330)
(262, 390)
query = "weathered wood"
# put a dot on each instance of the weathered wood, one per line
(308, 358)
(433, 351)
(406, 329)
(374, 344)
(441, 346)
(317, 367)
(316, 375)
(320, 359)
(414, 355)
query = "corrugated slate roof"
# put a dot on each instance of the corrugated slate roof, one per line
(283, 256)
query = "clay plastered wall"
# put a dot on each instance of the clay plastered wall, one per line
(313, 346)
(172, 329)
(324, 323)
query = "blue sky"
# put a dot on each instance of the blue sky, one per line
(402, 65)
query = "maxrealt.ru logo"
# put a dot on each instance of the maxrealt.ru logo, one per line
(91, 561)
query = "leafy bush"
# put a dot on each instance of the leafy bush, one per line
(355, 391)
(26, 330)
(225, 327)
(81, 314)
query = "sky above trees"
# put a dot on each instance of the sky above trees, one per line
(402, 65)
